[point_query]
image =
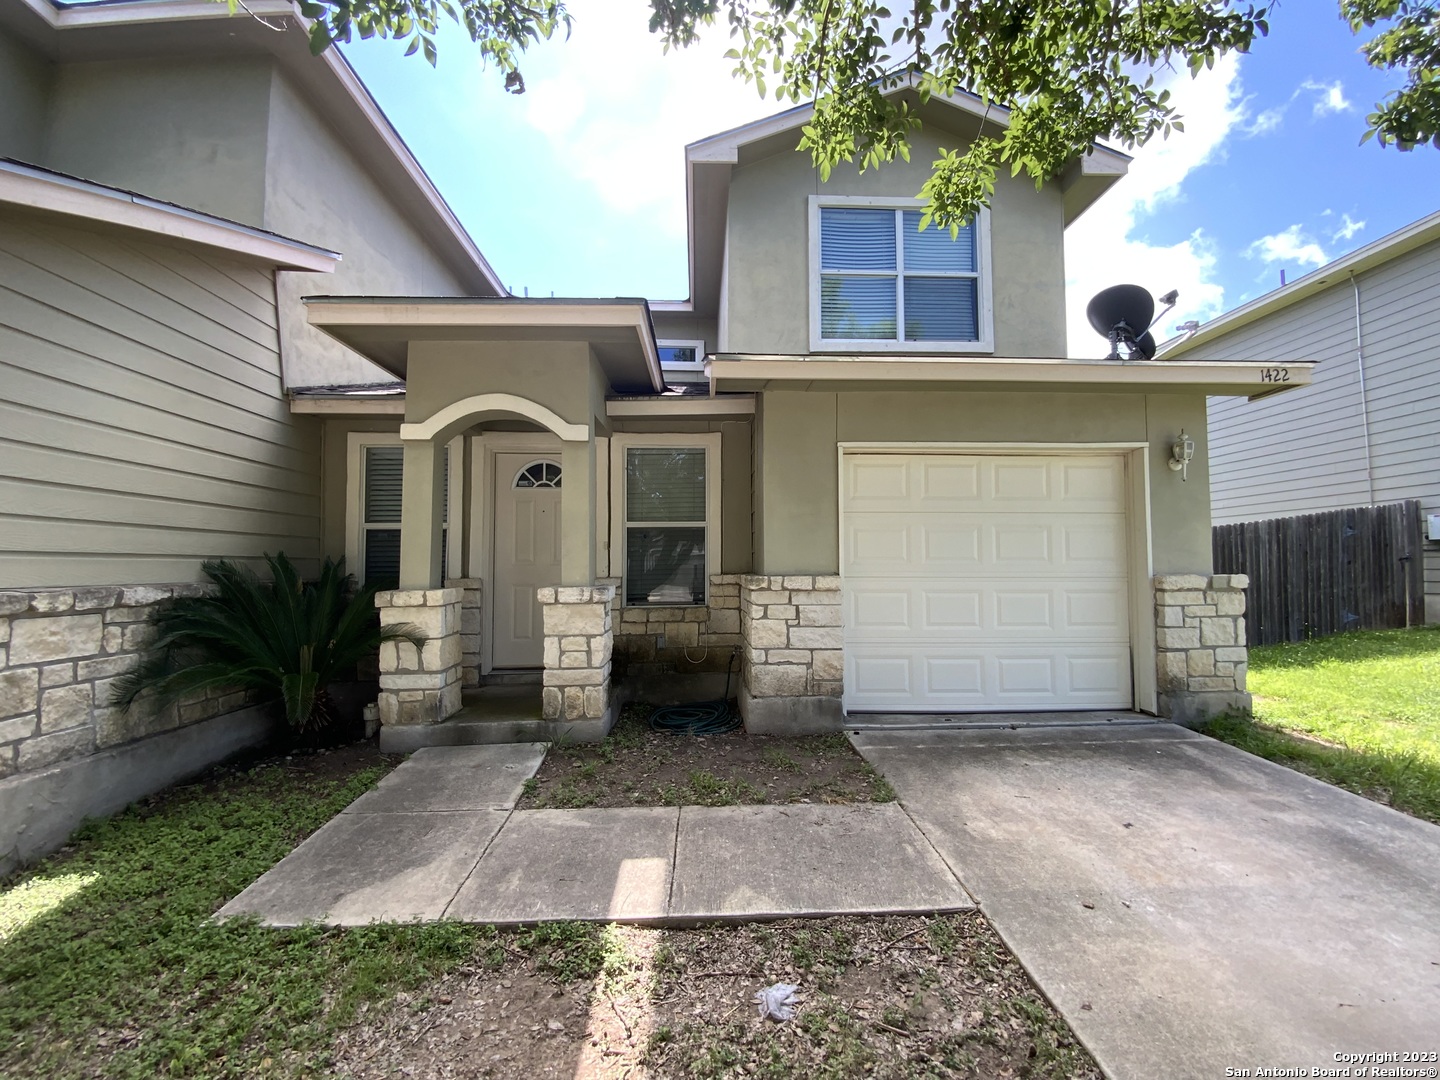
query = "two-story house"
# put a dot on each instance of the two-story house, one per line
(892, 494)
(854, 468)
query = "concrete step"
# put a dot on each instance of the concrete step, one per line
(518, 677)
(503, 713)
(972, 721)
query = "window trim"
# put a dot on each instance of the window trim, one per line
(698, 364)
(986, 314)
(620, 443)
(355, 526)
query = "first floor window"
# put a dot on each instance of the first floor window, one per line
(666, 511)
(382, 470)
(380, 524)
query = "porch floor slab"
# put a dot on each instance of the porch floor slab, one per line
(507, 712)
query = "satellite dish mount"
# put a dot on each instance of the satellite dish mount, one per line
(1124, 314)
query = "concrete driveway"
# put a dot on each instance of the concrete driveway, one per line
(1188, 907)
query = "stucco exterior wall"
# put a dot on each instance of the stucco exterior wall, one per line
(679, 326)
(767, 293)
(141, 404)
(798, 487)
(191, 132)
(25, 82)
(561, 375)
(316, 190)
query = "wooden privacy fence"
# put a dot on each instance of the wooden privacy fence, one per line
(1320, 574)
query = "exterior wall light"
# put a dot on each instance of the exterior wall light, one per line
(1181, 452)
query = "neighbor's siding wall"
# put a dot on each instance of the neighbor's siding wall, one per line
(141, 411)
(1305, 451)
(25, 90)
(315, 189)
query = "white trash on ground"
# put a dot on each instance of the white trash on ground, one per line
(777, 1002)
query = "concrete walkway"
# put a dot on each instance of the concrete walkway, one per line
(439, 838)
(1188, 907)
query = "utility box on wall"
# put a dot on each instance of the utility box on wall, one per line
(1432, 527)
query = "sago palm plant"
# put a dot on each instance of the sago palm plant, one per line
(284, 640)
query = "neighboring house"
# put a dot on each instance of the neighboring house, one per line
(147, 342)
(1368, 430)
(855, 464)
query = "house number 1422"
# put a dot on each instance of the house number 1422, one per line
(1274, 374)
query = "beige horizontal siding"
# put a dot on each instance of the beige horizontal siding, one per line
(143, 426)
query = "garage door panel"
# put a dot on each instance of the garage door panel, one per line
(975, 582)
(955, 679)
(942, 545)
(909, 609)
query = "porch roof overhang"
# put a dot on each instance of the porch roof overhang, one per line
(1234, 378)
(381, 328)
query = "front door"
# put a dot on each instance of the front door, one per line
(527, 555)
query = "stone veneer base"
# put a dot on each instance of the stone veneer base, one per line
(790, 715)
(39, 810)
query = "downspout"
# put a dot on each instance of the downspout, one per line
(1364, 398)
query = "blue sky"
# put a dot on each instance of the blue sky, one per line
(577, 186)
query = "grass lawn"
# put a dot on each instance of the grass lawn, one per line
(110, 966)
(1361, 710)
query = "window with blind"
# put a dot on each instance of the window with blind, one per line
(883, 283)
(382, 469)
(664, 523)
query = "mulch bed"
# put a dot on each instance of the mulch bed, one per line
(880, 997)
(635, 766)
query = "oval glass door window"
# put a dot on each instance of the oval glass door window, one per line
(538, 474)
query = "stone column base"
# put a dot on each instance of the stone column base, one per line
(794, 659)
(1201, 658)
(578, 646)
(471, 593)
(420, 686)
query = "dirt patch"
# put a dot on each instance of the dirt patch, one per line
(635, 766)
(881, 997)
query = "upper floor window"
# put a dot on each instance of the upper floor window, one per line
(681, 355)
(879, 283)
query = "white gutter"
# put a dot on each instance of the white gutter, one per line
(40, 189)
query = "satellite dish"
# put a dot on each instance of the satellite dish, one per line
(1123, 314)
(1146, 345)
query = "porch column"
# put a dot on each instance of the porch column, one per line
(422, 515)
(577, 513)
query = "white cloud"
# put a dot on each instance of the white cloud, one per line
(1105, 247)
(1267, 121)
(1291, 245)
(619, 111)
(1330, 97)
(1348, 228)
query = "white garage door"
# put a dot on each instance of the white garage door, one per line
(977, 583)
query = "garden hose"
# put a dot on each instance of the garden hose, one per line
(701, 717)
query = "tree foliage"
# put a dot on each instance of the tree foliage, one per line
(1065, 73)
(1411, 43)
